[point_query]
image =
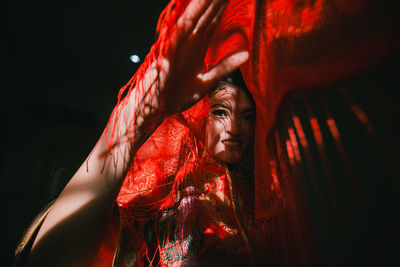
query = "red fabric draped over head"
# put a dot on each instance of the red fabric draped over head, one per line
(176, 146)
(298, 45)
(171, 151)
(293, 45)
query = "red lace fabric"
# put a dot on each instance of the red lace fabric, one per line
(177, 145)
(200, 227)
(302, 46)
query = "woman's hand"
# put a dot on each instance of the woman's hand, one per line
(182, 82)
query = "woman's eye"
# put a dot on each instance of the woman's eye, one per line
(219, 113)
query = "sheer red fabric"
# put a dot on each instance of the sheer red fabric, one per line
(177, 145)
(294, 46)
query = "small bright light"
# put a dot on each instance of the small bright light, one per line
(135, 58)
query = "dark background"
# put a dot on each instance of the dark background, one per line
(63, 64)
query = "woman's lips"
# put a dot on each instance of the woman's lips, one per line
(232, 143)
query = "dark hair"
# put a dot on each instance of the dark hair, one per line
(235, 79)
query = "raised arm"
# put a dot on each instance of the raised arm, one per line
(74, 228)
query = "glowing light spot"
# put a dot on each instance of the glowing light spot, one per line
(135, 58)
(209, 230)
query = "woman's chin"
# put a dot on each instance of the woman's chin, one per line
(229, 159)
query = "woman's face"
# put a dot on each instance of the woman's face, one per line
(230, 125)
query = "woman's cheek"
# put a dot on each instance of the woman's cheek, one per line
(248, 130)
(217, 126)
(213, 134)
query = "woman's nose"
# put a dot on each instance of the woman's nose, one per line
(233, 127)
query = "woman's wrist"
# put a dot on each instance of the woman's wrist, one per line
(140, 113)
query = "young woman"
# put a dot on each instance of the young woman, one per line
(195, 208)
(203, 215)
(172, 79)
(322, 74)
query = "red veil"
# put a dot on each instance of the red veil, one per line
(177, 145)
(295, 46)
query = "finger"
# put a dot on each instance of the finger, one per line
(212, 26)
(223, 68)
(212, 14)
(193, 12)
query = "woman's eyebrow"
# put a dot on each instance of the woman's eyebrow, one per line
(219, 105)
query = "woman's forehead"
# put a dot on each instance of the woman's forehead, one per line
(232, 95)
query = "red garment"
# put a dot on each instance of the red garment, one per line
(297, 46)
(294, 46)
(206, 223)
